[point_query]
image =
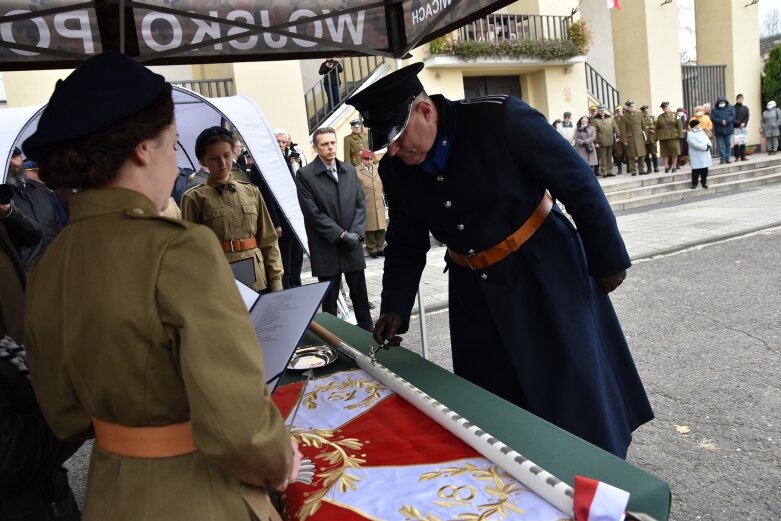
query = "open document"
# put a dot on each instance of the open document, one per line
(280, 319)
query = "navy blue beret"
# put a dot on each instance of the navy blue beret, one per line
(385, 105)
(205, 135)
(104, 90)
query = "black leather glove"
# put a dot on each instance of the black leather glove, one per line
(611, 282)
(386, 327)
(351, 240)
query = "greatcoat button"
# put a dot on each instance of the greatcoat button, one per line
(138, 211)
(460, 227)
(471, 252)
(448, 204)
(440, 178)
(484, 276)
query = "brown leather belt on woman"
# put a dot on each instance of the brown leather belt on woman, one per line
(485, 258)
(239, 245)
(145, 442)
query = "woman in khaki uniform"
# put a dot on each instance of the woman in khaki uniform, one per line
(669, 131)
(376, 222)
(234, 210)
(136, 332)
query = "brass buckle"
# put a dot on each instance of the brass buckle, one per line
(468, 258)
(233, 248)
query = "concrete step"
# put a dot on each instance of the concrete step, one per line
(682, 181)
(688, 193)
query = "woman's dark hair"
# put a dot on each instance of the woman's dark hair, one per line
(93, 161)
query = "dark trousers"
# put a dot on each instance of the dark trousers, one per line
(292, 259)
(332, 93)
(356, 281)
(699, 174)
(740, 151)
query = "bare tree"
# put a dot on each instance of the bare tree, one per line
(688, 52)
(772, 24)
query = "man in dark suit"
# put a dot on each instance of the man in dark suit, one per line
(332, 202)
(530, 316)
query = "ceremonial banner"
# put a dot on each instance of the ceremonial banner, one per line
(377, 457)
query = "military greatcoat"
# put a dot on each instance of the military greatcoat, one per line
(371, 184)
(238, 214)
(353, 144)
(534, 327)
(134, 318)
(631, 128)
(669, 131)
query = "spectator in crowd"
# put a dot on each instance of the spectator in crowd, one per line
(239, 170)
(567, 129)
(334, 209)
(705, 123)
(585, 137)
(510, 331)
(683, 118)
(723, 117)
(164, 339)
(631, 128)
(619, 152)
(771, 120)
(699, 153)
(740, 124)
(556, 124)
(36, 201)
(592, 111)
(355, 143)
(669, 132)
(606, 128)
(235, 211)
(33, 483)
(376, 222)
(289, 245)
(330, 70)
(649, 127)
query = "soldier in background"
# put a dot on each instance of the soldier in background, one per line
(619, 156)
(631, 129)
(607, 129)
(355, 143)
(649, 126)
(669, 131)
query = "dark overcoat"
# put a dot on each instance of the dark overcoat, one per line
(329, 209)
(534, 327)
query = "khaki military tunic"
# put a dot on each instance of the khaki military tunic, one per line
(353, 144)
(239, 214)
(669, 131)
(631, 128)
(649, 125)
(375, 205)
(135, 319)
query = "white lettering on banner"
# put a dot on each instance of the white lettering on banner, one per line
(210, 29)
(356, 32)
(280, 41)
(306, 13)
(430, 9)
(6, 31)
(148, 36)
(252, 41)
(83, 31)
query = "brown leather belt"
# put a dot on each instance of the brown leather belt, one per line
(145, 442)
(485, 258)
(239, 245)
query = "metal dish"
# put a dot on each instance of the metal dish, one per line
(312, 357)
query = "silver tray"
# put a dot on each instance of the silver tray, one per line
(312, 357)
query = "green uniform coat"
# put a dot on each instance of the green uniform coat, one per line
(375, 205)
(649, 125)
(631, 128)
(353, 144)
(238, 215)
(135, 319)
(669, 130)
(606, 128)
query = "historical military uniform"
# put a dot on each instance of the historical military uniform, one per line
(631, 128)
(607, 130)
(649, 125)
(619, 156)
(669, 131)
(133, 319)
(376, 222)
(237, 214)
(510, 332)
(353, 144)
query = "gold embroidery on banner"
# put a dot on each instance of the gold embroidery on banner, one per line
(346, 391)
(501, 488)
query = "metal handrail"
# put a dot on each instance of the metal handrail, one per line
(217, 88)
(601, 89)
(355, 71)
(515, 27)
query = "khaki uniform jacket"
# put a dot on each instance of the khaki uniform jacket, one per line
(668, 126)
(353, 144)
(238, 215)
(375, 205)
(631, 128)
(606, 128)
(649, 125)
(136, 320)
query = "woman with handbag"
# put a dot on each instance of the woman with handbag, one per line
(585, 134)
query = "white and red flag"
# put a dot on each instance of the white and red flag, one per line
(613, 4)
(598, 501)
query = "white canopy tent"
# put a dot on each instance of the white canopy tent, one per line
(193, 114)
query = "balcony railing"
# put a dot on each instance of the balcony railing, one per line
(218, 88)
(601, 89)
(516, 27)
(354, 72)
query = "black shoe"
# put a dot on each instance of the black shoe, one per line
(373, 255)
(728, 161)
(667, 170)
(705, 186)
(694, 186)
(381, 253)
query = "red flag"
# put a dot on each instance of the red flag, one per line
(613, 3)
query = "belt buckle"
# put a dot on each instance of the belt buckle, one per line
(233, 248)
(468, 258)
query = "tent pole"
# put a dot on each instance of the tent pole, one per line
(422, 312)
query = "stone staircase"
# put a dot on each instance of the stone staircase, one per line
(625, 192)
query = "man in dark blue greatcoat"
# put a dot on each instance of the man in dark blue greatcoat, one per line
(530, 317)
